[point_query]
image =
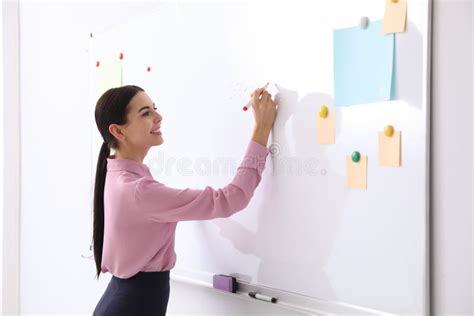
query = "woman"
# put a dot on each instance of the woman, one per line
(135, 216)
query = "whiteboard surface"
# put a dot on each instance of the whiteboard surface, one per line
(304, 232)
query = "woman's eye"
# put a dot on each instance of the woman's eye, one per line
(148, 113)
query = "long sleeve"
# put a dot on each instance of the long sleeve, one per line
(164, 204)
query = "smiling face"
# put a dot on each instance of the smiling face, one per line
(142, 129)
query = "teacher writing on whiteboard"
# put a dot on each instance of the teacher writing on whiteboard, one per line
(135, 216)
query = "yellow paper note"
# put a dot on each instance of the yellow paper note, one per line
(326, 129)
(395, 17)
(389, 149)
(109, 75)
(356, 173)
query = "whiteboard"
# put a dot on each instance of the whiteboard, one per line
(304, 237)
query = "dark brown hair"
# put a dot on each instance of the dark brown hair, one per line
(111, 108)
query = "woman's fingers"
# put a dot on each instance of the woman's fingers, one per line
(267, 97)
(261, 95)
(256, 95)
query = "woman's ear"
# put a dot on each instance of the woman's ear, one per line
(116, 131)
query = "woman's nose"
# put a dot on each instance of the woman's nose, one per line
(158, 117)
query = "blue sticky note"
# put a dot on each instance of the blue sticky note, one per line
(363, 65)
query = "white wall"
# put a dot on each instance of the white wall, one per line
(452, 158)
(55, 177)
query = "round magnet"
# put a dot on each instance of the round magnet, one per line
(393, 1)
(355, 156)
(148, 68)
(121, 56)
(364, 21)
(97, 63)
(388, 131)
(323, 111)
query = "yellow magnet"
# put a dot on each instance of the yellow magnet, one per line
(393, 1)
(388, 131)
(323, 111)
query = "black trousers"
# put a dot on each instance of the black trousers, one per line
(144, 294)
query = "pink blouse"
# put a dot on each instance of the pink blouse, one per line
(141, 213)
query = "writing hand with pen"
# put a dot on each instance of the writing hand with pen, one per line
(264, 111)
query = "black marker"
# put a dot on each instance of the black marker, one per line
(262, 297)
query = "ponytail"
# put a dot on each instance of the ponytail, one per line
(111, 108)
(98, 234)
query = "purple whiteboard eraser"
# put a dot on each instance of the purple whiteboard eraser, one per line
(224, 283)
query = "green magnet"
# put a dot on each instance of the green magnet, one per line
(355, 156)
